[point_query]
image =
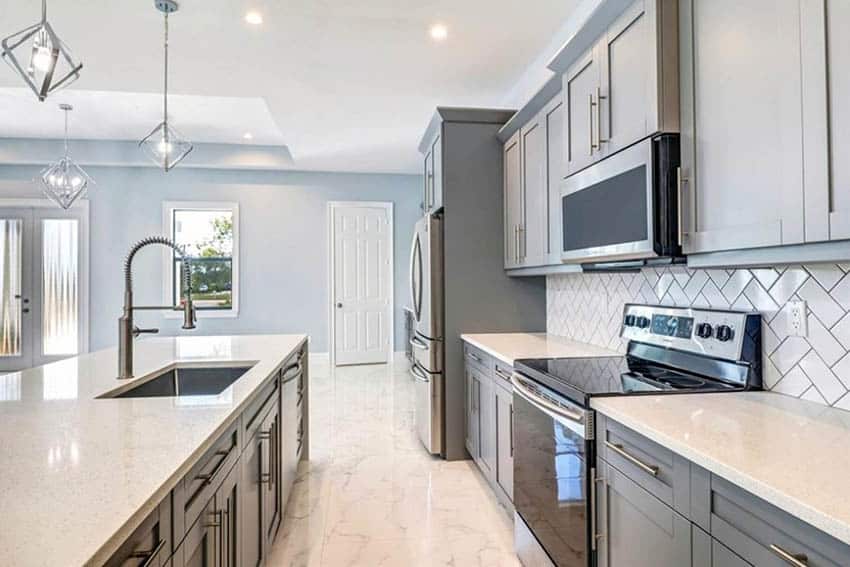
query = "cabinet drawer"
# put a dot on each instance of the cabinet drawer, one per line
(657, 469)
(764, 535)
(200, 483)
(150, 543)
(479, 358)
(252, 416)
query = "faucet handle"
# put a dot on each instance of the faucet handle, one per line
(137, 331)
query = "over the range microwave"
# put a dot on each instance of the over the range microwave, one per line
(625, 207)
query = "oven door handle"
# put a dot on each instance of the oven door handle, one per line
(545, 405)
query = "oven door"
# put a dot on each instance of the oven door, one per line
(552, 453)
(625, 207)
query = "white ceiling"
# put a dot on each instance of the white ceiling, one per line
(348, 86)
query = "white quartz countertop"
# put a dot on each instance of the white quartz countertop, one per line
(78, 474)
(509, 347)
(792, 453)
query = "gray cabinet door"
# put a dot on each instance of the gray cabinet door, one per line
(835, 205)
(437, 173)
(487, 426)
(627, 96)
(722, 557)
(472, 402)
(270, 475)
(505, 441)
(534, 230)
(150, 543)
(513, 200)
(429, 182)
(580, 84)
(553, 119)
(637, 529)
(227, 520)
(292, 427)
(251, 501)
(742, 138)
(199, 548)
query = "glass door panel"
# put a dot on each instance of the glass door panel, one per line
(60, 280)
(15, 331)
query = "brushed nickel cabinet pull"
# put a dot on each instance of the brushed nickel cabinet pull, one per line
(216, 523)
(599, 98)
(649, 469)
(590, 124)
(596, 536)
(680, 196)
(795, 559)
(475, 357)
(208, 478)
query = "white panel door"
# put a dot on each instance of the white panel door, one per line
(362, 286)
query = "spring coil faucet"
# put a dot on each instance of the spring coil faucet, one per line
(127, 330)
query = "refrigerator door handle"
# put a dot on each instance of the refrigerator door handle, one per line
(416, 264)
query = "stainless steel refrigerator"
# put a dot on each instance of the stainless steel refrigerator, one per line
(426, 297)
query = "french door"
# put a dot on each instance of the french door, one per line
(43, 285)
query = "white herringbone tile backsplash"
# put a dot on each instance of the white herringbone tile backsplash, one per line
(589, 307)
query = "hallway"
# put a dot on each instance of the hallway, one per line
(371, 495)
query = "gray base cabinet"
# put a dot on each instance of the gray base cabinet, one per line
(489, 421)
(228, 508)
(635, 528)
(654, 508)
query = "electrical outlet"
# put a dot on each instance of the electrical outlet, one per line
(798, 323)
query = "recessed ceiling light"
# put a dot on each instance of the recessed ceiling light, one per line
(439, 32)
(248, 136)
(254, 18)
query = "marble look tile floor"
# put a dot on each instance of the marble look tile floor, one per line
(371, 495)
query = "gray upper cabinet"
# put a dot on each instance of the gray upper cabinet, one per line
(625, 87)
(534, 233)
(742, 124)
(581, 83)
(826, 118)
(514, 218)
(432, 198)
(553, 120)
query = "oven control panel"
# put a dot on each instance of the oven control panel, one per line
(716, 333)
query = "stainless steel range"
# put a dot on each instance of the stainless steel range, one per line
(671, 350)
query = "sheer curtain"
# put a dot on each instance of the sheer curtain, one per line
(60, 286)
(10, 286)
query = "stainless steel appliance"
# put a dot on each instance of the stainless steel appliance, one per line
(670, 350)
(426, 296)
(625, 207)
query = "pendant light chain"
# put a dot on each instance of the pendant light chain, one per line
(66, 131)
(43, 10)
(165, 81)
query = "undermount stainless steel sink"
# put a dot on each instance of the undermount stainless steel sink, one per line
(185, 381)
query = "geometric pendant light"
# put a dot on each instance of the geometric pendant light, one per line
(64, 182)
(42, 60)
(164, 145)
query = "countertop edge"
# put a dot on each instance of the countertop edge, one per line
(827, 524)
(112, 544)
(492, 352)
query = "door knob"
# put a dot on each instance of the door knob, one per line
(339, 305)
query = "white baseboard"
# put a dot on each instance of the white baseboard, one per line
(399, 357)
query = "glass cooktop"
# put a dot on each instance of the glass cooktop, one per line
(582, 378)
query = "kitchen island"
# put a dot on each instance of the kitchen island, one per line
(81, 471)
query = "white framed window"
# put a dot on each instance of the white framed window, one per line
(208, 233)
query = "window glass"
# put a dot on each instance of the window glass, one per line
(206, 237)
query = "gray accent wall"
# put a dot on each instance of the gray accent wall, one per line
(283, 242)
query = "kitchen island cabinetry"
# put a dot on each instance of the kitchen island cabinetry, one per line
(227, 509)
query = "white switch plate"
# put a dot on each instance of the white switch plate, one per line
(798, 323)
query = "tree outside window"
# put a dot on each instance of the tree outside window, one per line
(207, 239)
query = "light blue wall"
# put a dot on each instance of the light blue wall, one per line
(283, 241)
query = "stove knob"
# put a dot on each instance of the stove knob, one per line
(630, 320)
(642, 322)
(724, 333)
(704, 330)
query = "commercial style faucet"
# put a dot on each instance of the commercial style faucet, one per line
(127, 331)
